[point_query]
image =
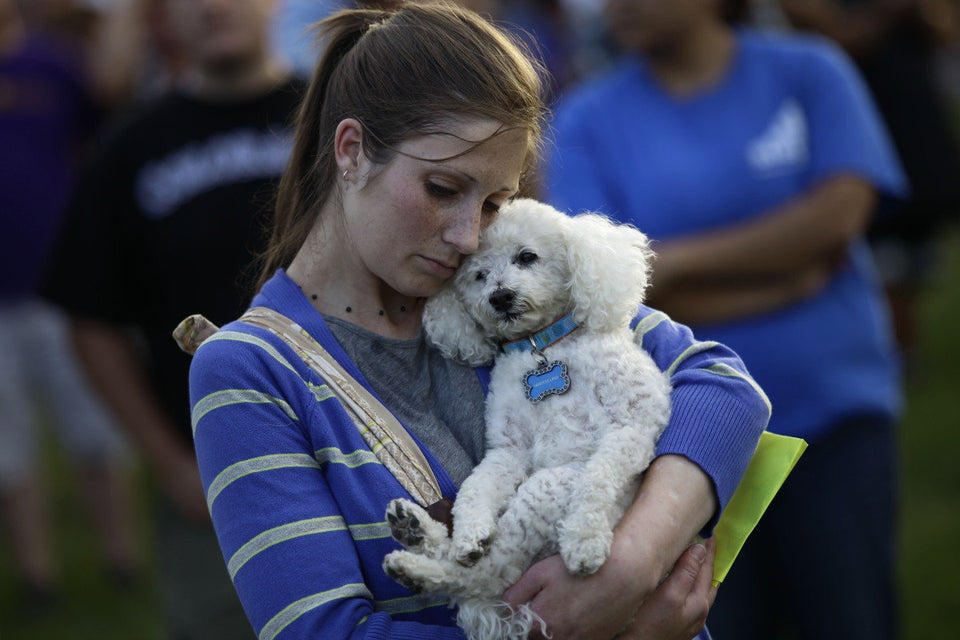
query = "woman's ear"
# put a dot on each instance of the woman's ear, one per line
(348, 148)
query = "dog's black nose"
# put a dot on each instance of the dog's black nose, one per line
(502, 300)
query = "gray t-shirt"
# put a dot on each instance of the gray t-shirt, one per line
(439, 400)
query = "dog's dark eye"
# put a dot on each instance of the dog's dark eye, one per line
(525, 258)
(481, 275)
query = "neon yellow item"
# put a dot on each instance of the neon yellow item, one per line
(772, 462)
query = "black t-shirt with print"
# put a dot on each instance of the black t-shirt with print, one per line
(167, 218)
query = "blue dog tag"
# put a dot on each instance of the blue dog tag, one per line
(547, 380)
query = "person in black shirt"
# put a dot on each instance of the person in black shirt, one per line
(167, 217)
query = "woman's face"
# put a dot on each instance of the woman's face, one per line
(410, 221)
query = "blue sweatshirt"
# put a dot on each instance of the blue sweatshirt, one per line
(298, 499)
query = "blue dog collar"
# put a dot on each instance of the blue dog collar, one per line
(543, 338)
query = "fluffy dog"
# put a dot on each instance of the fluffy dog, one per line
(573, 414)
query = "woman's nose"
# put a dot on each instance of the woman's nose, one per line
(464, 231)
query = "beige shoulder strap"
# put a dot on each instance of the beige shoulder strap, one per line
(382, 432)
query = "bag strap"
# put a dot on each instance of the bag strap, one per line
(394, 447)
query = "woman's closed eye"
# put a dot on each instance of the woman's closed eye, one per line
(491, 207)
(440, 191)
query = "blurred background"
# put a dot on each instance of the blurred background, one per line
(117, 54)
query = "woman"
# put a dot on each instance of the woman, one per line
(755, 162)
(418, 125)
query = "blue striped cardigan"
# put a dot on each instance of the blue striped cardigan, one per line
(298, 499)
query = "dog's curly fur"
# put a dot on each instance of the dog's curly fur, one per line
(559, 473)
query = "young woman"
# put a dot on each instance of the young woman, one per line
(418, 125)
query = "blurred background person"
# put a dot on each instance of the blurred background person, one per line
(896, 43)
(47, 114)
(125, 45)
(167, 217)
(755, 162)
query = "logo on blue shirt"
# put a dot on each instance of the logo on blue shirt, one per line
(783, 146)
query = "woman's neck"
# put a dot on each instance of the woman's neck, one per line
(696, 61)
(341, 288)
(388, 314)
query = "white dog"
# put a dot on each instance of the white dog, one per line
(573, 414)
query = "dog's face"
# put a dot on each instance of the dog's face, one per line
(518, 280)
(534, 265)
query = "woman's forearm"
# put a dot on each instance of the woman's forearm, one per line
(674, 503)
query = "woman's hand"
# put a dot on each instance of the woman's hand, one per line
(678, 609)
(594, 607)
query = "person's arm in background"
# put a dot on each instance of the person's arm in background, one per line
(109, 356)
(717, 417)
(768, 262)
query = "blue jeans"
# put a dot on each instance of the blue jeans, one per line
(821, 563)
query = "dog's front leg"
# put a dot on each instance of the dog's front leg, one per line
(599, 499)
(481, 499)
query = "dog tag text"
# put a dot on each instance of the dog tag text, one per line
(547, 380)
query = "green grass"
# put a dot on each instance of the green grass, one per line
(930, 443)
(930, 566)
(91, 607)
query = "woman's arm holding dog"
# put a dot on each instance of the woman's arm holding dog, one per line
(675, 501)
(717, 410)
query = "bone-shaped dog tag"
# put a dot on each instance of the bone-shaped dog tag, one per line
(547, 380)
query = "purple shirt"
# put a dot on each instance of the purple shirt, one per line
(45, 113)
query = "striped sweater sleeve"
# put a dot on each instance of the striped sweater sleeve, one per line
(718, 412)
(297, 499)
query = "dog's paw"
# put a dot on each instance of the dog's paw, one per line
(585, 554)
(417, 573)
(396, 564)
(413, 527)
(404, 523)
(470, 544)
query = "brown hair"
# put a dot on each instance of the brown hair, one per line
(400, 72)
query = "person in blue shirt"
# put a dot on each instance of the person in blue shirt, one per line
(418, 124)
(755, 162)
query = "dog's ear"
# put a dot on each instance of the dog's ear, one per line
(454, 332)
(610, 266)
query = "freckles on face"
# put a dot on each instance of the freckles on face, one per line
(424, 210)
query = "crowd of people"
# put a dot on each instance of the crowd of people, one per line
(793, 162)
